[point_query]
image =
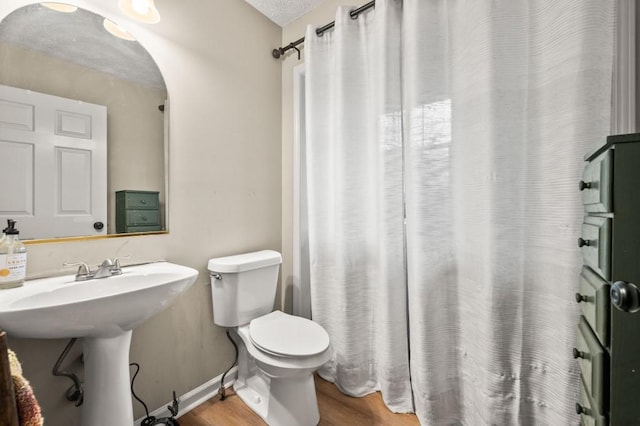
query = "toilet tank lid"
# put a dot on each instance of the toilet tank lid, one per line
(244, 262)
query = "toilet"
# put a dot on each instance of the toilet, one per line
(277, 352)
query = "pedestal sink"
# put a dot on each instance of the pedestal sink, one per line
(102, 312)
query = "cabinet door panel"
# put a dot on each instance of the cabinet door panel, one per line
(596, 192)
(592, 363)
(596, 244)
(589, 416)
(595, 303)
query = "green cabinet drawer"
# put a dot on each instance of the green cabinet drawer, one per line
(143, 217)
(591, 358)
(143, 228)
(138, 199)
(595, 243)
(593, 297)
(596, 184)
(589, 414)
(137, 211)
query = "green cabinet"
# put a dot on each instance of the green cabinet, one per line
(137, 211)
(608, 340)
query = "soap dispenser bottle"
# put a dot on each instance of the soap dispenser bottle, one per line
(13, 258)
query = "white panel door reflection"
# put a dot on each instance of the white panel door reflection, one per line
(53, 178)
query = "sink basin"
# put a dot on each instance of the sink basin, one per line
(103, 312)
(60, 307)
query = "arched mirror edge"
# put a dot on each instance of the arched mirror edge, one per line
(13, 5)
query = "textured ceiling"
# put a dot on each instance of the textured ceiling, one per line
(283, 12)
(80, 38)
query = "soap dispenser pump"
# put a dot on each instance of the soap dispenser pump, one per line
(13, 258)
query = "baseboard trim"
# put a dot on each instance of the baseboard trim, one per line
(194, 397)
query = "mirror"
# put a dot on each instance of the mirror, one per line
(90, 75)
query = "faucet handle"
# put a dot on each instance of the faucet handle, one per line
(116, 260)
(116, 269)
(83, 269)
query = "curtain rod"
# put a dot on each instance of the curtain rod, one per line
(277, 53)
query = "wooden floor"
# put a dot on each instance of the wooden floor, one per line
(336, 409)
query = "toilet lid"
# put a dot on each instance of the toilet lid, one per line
(286, 335)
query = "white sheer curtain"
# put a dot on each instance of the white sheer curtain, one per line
(470, 119)
(355, 202)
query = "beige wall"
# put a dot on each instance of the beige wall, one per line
(135, 125)
(224, 191)
(321, 15)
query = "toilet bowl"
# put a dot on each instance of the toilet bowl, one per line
(303, 351)
(277, 352)
(281, 390)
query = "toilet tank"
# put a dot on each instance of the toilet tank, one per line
(243, 286)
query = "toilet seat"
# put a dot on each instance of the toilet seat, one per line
(288, 336)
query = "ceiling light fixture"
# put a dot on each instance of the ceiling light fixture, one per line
(140, 10)
(117, 30)
(60, 7)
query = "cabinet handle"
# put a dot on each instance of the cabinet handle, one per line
(582, 242)
(584, 185)
(580, 409)
(577, 354)
(581, 298)
(143, 201)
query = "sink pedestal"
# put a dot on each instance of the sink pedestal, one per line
(107, 389)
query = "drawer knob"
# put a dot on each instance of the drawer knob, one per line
(582, 242)
(143, 201)
(577, 354)
(584, 185)
(625, 296)
(580, 409)
(581, 298)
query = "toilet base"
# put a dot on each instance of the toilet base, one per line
(293, 402)
(280, 390)
(281, 401)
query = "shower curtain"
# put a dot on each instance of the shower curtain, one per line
(444, 143)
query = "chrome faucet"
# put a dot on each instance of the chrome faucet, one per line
(106, 269)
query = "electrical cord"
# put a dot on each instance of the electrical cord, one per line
(151, 420)
(133, 379)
